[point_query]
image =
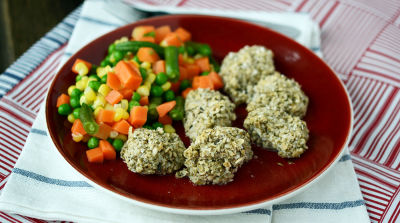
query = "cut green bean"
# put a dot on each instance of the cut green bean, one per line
(87, 118)
(134, 46)
(172, 63)
(201, 48)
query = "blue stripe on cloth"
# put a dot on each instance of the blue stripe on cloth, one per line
(258, 211)
(85, 18)
(38, 131)
(38, 52)
(48, 180)
(325, 206)
(345, 158)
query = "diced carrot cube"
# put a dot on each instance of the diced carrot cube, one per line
(165, 120)
(77, 128)
(202, 82)
(138, 116)
(108, 150)
(144, 100)
(122, 127)
(62, 99)
(159, 66)
(113, 81)
(164, 108)
(183, 34)
(216, 80)
(139, 31)
(161, 32)
(171, 39)
(128, 74)
(183, 75)
(105, 116)
(104, 131)
(203, 63)
(95, 155)
(147, 54)
(186, 92)
(114, 97)
(192, 70)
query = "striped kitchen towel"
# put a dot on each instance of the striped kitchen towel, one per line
(365, 59)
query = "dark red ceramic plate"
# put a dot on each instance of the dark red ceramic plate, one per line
(266, 179)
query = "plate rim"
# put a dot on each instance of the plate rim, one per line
(196, 210)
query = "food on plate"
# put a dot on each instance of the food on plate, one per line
(279, 93)
(141, 83)
(205, 108)
(216, 155)
(242, 70)
(149, 151)
(276, 129)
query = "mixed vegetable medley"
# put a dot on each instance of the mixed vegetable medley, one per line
(141, 83)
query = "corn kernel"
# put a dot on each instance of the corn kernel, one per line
(145, 65)
(169, 129)
(101, 71)
(143, 90)
(81, 85)
(84, 100)
(104, 89)
(109, 107)
(71, 118)
(77, 137)
(70, 89)
(97, 111)
(125, 115)
(89, 94)
(150, 78)
(124, 104)
(81, 68)
(122, 137)
(123, 39)
(166, 86)
(92, 79)
(119, 112)
(147, 84)
(99, 102)
(113, 134)
(198, 56)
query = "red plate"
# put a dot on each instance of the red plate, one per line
(266, 179)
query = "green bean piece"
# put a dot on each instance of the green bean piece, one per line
(87, 118)
(201, 48)
(64, 109)
(172, 63)
(93, 142)
(133, 46)
(111, 48)
(178, 112)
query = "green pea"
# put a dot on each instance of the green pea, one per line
(76, 93)
(136, 58)
(152, 114)
(169, 95)
(157, 125)
(176, 114)
(78, 78)
(190, 50)
(118, 144)
(156, 91)
(136, 96)
(161, 78)
(185, 84)
(64, 109)
(76, 112)
(94, 85)
(147, 126)
(75, 102)
(133, 104)
(143, 72)
(156, 101)
(182, 49)
(104, 79)
(111, 48)
(118, 55)
(95, 76)
(205, 73)
(104, 63)
(93, 142)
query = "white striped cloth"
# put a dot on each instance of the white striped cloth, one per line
(59, 194)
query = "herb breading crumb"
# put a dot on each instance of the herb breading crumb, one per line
(205, 109)
(216, 155)
(242, 70)
(275, 129)
(153, 151)
(280, 93)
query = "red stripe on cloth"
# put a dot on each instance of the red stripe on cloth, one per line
(301, 5)
(9, 218)
(6, 111)
(23, 132)
(389, 207)
(181, 3)
(38, 67)
(40, 80)
(18, 107)
(328, 14)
